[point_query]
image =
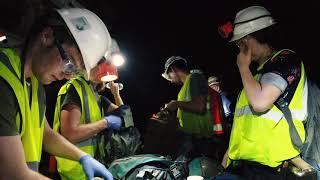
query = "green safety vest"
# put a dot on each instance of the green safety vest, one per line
(196, 124)
(264, 137)
(29, 120)
(90, 112)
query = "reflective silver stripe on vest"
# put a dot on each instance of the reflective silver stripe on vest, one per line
(217, 127)
(187, 96)
(42, 102)
(303, 115)
(93, 140)
(33, 165)
(88, 142)
(246, 110)
(85, 103)
(275, 115)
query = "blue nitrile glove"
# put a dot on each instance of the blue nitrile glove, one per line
(92, 168)
(113, 122)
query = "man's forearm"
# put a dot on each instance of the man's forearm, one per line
(26, 175)
(118, 99)
(33, 175)
(84, 131)
(252, 88)
(57, 145)
(12, 160)
(191, 106)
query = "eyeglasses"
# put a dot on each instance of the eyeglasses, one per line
(69, 67)
(239, 42)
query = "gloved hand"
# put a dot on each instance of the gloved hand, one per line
(92, 168)
(113, 122)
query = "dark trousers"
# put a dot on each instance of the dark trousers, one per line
(253, 171)
(191, 146)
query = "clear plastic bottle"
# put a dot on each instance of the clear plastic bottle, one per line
(119, 84)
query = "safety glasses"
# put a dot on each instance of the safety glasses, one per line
(69, 67)
(241, 41)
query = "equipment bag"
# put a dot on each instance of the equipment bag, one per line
(148, 166)
(310, 149)
(115, 144)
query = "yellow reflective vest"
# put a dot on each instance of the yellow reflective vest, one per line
(31, 116)
(193, 123)
(264, 137)
(90, 112)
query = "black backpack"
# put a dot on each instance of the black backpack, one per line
(310, 149)
(113, 144)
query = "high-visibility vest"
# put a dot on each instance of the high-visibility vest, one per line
(193, 123)
(90, 113)
(216, 110)
(264, 137)
(29, 120)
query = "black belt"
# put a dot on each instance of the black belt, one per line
(236, 164)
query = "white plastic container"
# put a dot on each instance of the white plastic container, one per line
(194, 178)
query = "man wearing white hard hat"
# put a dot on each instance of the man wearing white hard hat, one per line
(196, 130)
(60, 45)
(79, 115)
(261, 139)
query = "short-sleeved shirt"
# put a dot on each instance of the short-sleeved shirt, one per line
(73, 98)
(198, 85)
(9, 109)
(284, 72)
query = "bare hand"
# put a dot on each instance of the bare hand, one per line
(171, 106)
(244, 56)
(114, 87)
(225, 160)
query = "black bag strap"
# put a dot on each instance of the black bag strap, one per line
(283, 104)
(295, 138)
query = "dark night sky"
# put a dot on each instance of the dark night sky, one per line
(148, 32)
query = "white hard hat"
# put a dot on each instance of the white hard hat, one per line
(114, 46)
(114, 55)
(168, 63)
(250, 20)
(90, 34)
(213, 80)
